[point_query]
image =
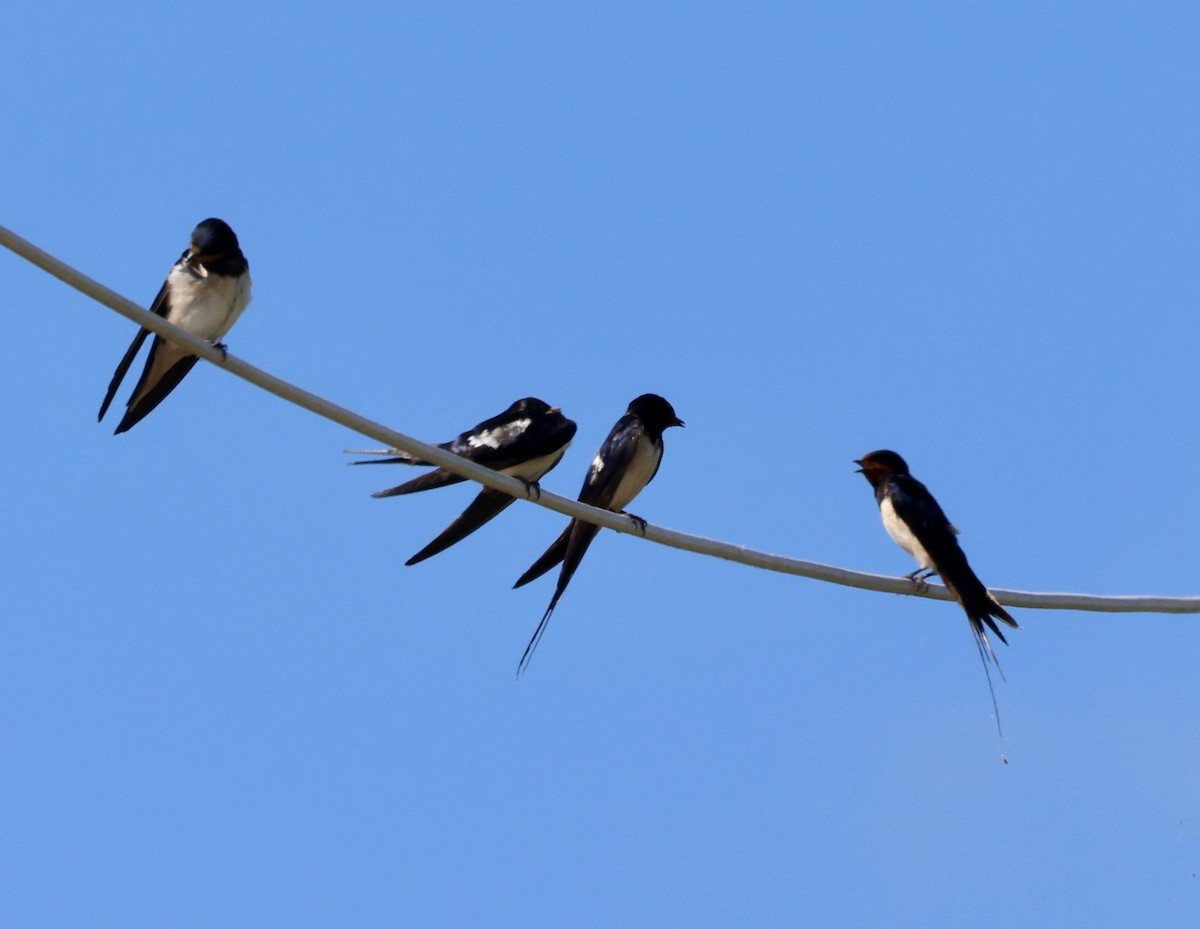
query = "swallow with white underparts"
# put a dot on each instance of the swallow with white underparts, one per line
(525, 442)
(917, 524)
(626, 462)
(204, 293)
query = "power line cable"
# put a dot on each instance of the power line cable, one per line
(609, 520)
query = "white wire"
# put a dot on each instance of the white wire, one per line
(564, 505)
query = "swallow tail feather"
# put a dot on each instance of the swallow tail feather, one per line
(550, 558)
(489, 504)
(142, 405)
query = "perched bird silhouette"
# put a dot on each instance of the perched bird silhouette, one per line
(917, 524)
(626, 462)
(525, 442)
(204, 293)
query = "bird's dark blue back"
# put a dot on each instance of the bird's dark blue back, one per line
(914, 504)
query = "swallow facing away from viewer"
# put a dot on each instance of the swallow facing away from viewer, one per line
(626, 462)
(204, 293)
(917, 524)
(525, 442)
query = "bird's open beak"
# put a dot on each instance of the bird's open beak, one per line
(858, 461)
(678, 422)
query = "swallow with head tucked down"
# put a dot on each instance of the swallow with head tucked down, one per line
(626, 462)
(525, 442)
(917, 524)
(204, 293)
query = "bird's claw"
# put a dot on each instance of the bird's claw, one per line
(223, 349)
(533, 488)
(918, 579)
(637, 521)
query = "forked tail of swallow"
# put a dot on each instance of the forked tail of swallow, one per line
(142, 404)
(537, 635)
(980, 606)
(489, 504)
(549, 558)
(575, 541)
(981, 642)
(122, 370)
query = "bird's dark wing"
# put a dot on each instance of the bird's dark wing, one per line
(611, 462)
(599, 487)
(918, 508)
(430, 481)
(156, 390)
(488, 504)
(122, 370)
(159, 308)
(548, 559)
(504, 441)
(603, 479)
(543, 437)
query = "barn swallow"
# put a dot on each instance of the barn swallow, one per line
(525, 442)
(204, 293)
(917, 524)
(626, 462)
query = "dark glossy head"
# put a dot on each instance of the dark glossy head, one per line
(879, 466)
(531, 406)
(212, 240)
(655, 412)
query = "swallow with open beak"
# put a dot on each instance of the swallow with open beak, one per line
(917, 524)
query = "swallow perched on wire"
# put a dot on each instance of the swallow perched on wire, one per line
(917, 524)
(204, 293)
(525, 442)
(626, 462)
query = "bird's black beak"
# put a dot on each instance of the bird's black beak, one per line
(677, 422)
(858, 461)
(196, 260)
(199, 258)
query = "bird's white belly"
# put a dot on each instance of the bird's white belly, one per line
(533, 469)
(209, 305)
(637, 475)
(902, 535)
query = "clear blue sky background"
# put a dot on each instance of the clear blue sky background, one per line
(967, 234)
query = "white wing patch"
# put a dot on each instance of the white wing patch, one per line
(494, 438)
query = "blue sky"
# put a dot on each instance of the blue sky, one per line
(966, 234)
